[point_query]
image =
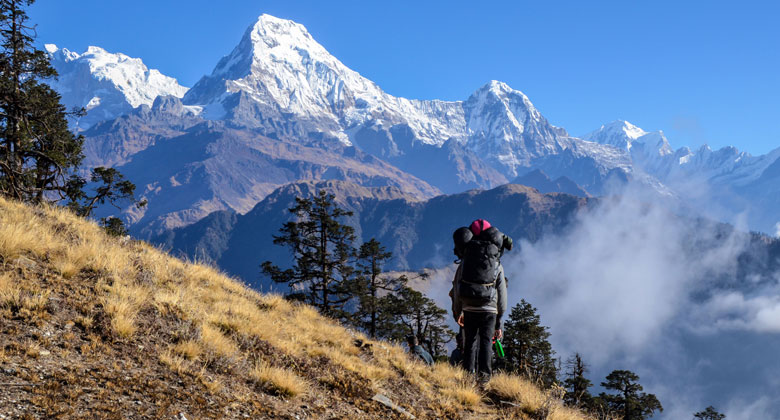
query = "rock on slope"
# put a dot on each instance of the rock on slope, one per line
(94, 327)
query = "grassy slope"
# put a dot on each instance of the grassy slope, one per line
(97, 327)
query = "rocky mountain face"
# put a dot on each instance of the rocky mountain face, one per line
(539, 180)
(417, 232)
(198, 167)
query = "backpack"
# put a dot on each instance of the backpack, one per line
(480, 267)
(460, 238)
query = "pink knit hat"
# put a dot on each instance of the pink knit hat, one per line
(478, 226)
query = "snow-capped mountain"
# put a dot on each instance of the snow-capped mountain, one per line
(106, 85)
(652, 153)
(280, 79)
(721, 183)
(281, 69)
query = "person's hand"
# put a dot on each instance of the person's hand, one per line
(498, 335)
(460, 320)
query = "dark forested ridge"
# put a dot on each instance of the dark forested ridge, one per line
(418, 233)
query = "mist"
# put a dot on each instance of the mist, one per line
(641, 285)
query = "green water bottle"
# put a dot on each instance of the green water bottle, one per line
(498, 347)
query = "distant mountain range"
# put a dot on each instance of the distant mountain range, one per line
(279, 108)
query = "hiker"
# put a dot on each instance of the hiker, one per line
(416, 349)
(456, 357)
(478, 293)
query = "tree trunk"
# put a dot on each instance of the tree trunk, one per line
(373, 298)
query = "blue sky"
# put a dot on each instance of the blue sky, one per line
(702, 71)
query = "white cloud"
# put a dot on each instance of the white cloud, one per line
(617, 279)
(759, 409)
(732, 310)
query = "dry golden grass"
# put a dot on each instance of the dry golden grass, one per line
(530, 398)
(21, 233)
(463, 393)
(216, 342)
(279, 380)
(84, 322)
(10, 292)
(218, 324)
(31, 349)
(23, 299)
(189, 349)
(175, 362)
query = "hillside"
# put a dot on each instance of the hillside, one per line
(417, 232)
(97, 327)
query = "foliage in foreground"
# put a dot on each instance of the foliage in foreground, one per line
(156, 328)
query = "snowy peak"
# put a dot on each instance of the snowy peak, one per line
(504, 124)
(277, 59)
(107, 84)
(514, 101)
(617, 133)
(624, 135)
(279, 70)
(271, 39)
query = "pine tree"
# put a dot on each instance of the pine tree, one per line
(323, 253)
(110, 186)
(709, 413)
(370, 285)
(39, 155)
(629, 401)
(410, 312)
(576, 384)
(38, 152)
(528, 351)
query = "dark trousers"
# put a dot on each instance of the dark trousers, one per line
(479, 328)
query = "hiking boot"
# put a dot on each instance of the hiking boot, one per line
(483, 379)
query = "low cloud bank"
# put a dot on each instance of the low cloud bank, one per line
(631, 281)
(625, 270)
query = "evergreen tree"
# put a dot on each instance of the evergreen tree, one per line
(39, 155)
(709, 413)
(370, 285)
(110, 186)
(576, 384)
(323, 253)
(410, 312)
(528, 351)
(629, 401)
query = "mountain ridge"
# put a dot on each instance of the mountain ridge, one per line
(417, 232)
(278, 82)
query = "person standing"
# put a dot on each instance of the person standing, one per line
(479, 297)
